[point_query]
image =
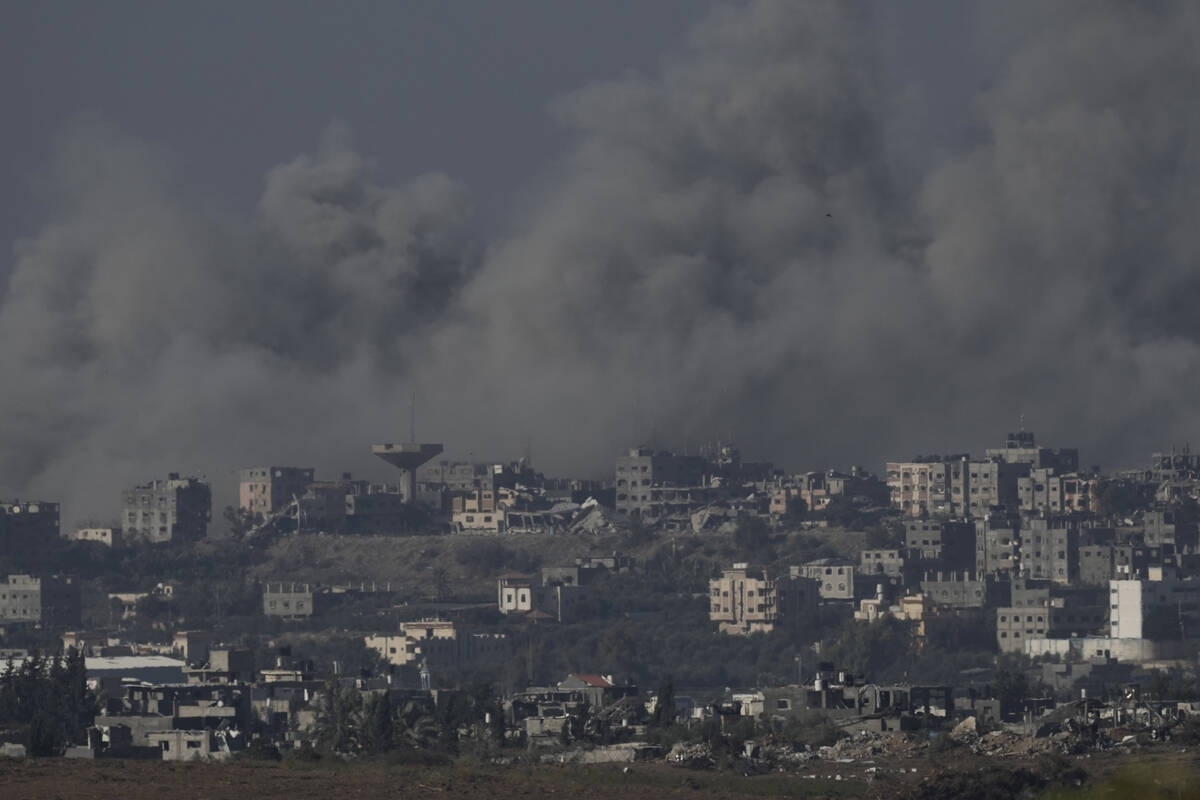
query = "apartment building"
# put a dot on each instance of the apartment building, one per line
(266, 490)
(1045, 492)
(1050, 549)
(1162, 606)
(1022, 448)
(918, 487)
(949, 545)
(164, 511)
(48, 601)
(644, 467)
(746, 600)
(28, 530)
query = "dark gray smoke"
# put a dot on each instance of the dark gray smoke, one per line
(749, 241)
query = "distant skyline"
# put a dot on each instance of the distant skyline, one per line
(845, 232)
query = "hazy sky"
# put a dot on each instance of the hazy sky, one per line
(462, 87)
(243, 233)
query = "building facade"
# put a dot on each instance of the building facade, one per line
(746, 600)
(49, 601)
(164, 511)
(290, 599)
(28, 530)
(644, 467)
(266, 490)
(109, 537)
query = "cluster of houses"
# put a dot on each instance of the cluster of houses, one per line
(1102, 572)
(1020, 541)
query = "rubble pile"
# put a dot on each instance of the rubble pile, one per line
(865, 745)
(693, 756)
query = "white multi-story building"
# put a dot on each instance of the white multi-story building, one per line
(1151, 609)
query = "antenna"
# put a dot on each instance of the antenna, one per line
(1021, 422)
(412, 417)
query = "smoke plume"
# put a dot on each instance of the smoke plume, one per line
(746, 241)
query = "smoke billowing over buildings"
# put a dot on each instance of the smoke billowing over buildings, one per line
(757, 235)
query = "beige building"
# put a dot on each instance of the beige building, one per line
(264, 490)
(439, 643)
(109, 537)
(746, 600)
(917, 487)
(477, 511)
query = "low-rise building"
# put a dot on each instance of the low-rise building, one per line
(834, 577)
(439, 643)
(961, 590)
(888, 562)
(537, 599)
(193, 745)
(86, 642)
(109, 537)
(382, 511)
(291, 599)
(193, 646)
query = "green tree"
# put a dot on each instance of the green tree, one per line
(664, 707)
(337, 725)
(378, 733)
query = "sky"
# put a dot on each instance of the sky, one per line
(838, 232)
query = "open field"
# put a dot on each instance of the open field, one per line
(1160, 773)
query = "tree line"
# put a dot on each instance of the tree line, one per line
(49, 697)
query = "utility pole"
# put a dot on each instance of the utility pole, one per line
(412, 417)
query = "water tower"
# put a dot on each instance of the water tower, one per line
(407, 457)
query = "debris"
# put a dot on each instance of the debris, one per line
(967, 729)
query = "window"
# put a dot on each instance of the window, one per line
(192, 744)
(783, 705)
